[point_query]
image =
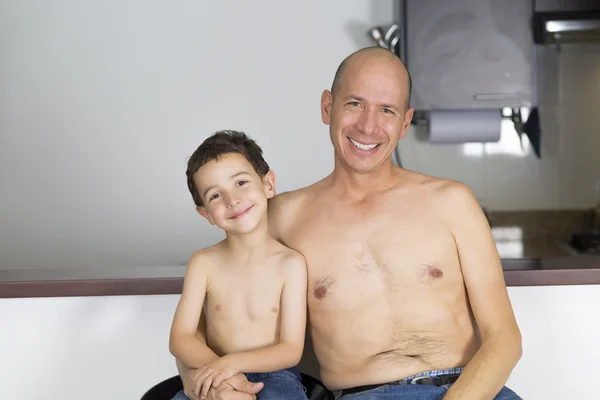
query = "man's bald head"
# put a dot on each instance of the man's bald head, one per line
(368, 53)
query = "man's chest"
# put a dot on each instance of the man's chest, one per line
(351, 254)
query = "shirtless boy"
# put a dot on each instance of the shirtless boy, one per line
(247, 292)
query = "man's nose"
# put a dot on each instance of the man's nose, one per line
(368, 122)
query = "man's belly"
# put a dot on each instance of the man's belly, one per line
(370, 345)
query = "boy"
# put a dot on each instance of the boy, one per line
(249, 289)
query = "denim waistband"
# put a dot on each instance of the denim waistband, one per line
(404, 381)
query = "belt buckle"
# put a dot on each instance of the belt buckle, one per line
(415, 381)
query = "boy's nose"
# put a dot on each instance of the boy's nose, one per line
(234, 201)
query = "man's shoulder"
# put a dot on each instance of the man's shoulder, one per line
(290, 199)
(285, 208)
(449, 198)
(439, 188)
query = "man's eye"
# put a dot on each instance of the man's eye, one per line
(387, 111)
(354, 103)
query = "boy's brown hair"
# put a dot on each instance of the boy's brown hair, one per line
(220, 143)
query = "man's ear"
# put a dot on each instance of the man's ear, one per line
(202, 211)
(269, 183)
(407, 118)
(326, 103)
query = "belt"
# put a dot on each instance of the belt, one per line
(421, 380)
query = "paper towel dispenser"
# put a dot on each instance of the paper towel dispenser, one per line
(472, 57)
(469, 54)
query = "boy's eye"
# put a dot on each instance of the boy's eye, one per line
(242, 183)
(214, 196)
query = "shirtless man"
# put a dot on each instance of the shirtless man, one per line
(404, 277)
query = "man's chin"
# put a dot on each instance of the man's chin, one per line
(363, 169)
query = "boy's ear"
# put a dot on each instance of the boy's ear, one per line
(269, 182)
(202, 211)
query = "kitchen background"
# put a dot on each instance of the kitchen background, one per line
(101, 104)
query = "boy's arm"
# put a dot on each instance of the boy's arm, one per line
(189, 376)
(288, 351)
(185, 343)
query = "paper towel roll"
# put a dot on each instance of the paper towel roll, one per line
(460, 126)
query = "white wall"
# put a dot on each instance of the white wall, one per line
(116, 347)
(102, 102)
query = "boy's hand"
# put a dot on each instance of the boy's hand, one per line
(214, 373)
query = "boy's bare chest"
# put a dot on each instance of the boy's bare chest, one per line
(246, 296)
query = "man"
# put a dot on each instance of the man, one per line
(404, 280)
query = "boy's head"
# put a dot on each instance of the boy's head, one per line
(230, 181)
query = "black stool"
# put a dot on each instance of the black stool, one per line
(166, 389)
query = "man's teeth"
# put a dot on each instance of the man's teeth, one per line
(363, 146)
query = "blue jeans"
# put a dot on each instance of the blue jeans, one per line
(416, 392)
(285, 384)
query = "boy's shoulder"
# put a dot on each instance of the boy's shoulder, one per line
(207, 257)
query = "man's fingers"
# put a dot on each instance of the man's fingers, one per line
(249, 387)
(190, 395)
(241, 384)
(256, 387)
(230, 394)
(193, 394)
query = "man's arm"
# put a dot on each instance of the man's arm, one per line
(184, 343)
(486, 373)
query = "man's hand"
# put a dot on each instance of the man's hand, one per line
(191, 386)
(235, 388)
(214, 373)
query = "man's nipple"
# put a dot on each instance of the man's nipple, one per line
(322, 287)
(435, 272)
(320, 292)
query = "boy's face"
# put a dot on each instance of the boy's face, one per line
(234, 196)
